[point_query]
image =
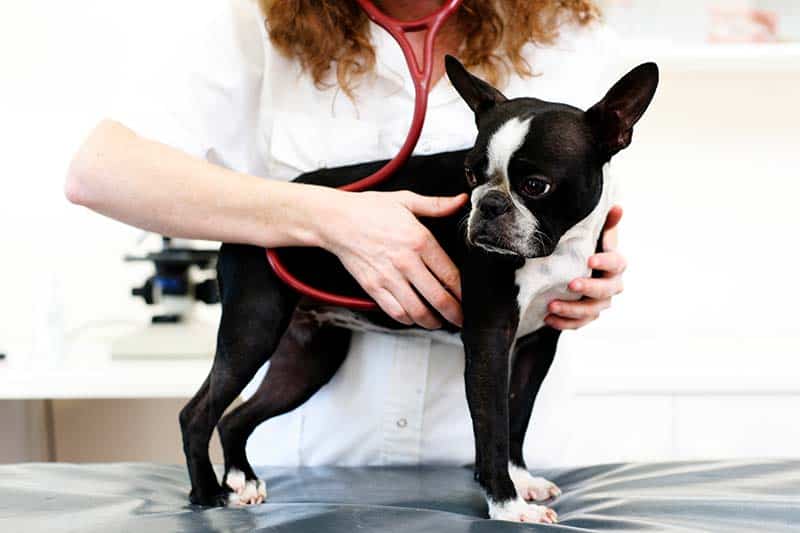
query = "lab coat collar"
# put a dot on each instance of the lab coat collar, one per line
(390, 65)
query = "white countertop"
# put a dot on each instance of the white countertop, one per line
(601, 362)
(128, 379)
(88, 371)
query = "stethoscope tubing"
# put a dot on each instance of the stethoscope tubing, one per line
(421, 76)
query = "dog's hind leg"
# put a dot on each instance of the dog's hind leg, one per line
(256, 309)
(532, 358)
(307, 358)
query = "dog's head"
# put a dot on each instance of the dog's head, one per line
(536, 168)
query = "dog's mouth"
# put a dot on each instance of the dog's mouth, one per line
(503, 235)
(491, 245)
(500, 243)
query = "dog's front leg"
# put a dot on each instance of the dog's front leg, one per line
(490, 325)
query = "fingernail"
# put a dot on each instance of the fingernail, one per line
(576, 286)
(592, 262)
(555, 308)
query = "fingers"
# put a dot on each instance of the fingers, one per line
(610, 263)
(398, 300)
(440, 264)
(587, 309)
(432, 291)
(391, 306)
(598, 288)
(411, 302)
(562, 324)
(431, 206)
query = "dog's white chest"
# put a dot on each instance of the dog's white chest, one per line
(542, 280)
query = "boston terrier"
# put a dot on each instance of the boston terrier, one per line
(539, 199)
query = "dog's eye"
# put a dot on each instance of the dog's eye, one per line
(535, 187)
(472, 179)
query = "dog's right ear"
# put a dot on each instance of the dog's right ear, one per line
(478, 94)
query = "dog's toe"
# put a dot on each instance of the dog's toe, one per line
(550, 516)
(539, 489)
(245, 491)
(521, 511)
(532, 488)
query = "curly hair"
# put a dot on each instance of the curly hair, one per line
(322, 33)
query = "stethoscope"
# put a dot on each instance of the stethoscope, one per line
(421, 76)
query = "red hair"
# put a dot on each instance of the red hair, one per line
(322, 33)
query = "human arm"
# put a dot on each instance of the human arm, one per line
(158, 188)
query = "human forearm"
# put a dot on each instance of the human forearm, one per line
(161, 189)
(375, 234)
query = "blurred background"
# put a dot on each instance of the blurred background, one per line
(700, 357)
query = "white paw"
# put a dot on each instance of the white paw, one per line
(244, 492)
(521, 511)
(532, 488)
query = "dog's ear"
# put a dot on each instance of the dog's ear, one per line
(478, 94)
(613, 117)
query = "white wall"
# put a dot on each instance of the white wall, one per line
(698, 358)
(60, 64)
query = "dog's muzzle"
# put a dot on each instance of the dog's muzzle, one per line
(499, 224)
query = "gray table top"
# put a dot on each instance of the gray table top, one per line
(729, 496)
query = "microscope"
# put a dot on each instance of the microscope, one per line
(184, 278)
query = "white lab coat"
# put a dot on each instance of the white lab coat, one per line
(222, 92)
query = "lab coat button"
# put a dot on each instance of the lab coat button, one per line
(402, 423)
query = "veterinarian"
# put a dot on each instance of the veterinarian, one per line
(203, 144)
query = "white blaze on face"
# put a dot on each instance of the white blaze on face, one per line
(502, 146)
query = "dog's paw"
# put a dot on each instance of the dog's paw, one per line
(532, 488)
(521, 511)
(244, 491)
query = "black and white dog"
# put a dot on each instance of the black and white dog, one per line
(538, 203)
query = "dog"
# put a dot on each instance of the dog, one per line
(538, 202)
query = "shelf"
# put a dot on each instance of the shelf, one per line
(658, 365)
(777, 57)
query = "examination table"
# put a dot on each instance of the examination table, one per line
(729, 496)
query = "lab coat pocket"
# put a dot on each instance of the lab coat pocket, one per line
(302, 142)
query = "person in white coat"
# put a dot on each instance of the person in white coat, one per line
(203, 145)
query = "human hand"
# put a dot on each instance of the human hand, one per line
(596, 292)
(394, 258)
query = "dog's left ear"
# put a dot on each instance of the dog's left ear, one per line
(478, 94)
(613, 117)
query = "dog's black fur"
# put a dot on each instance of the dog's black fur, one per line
(263, 320)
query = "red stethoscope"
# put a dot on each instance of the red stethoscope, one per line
(421, 77)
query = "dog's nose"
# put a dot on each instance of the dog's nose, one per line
(494, 204)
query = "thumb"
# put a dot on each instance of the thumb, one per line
(432, 206)
(610, 238)
(613, 218)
